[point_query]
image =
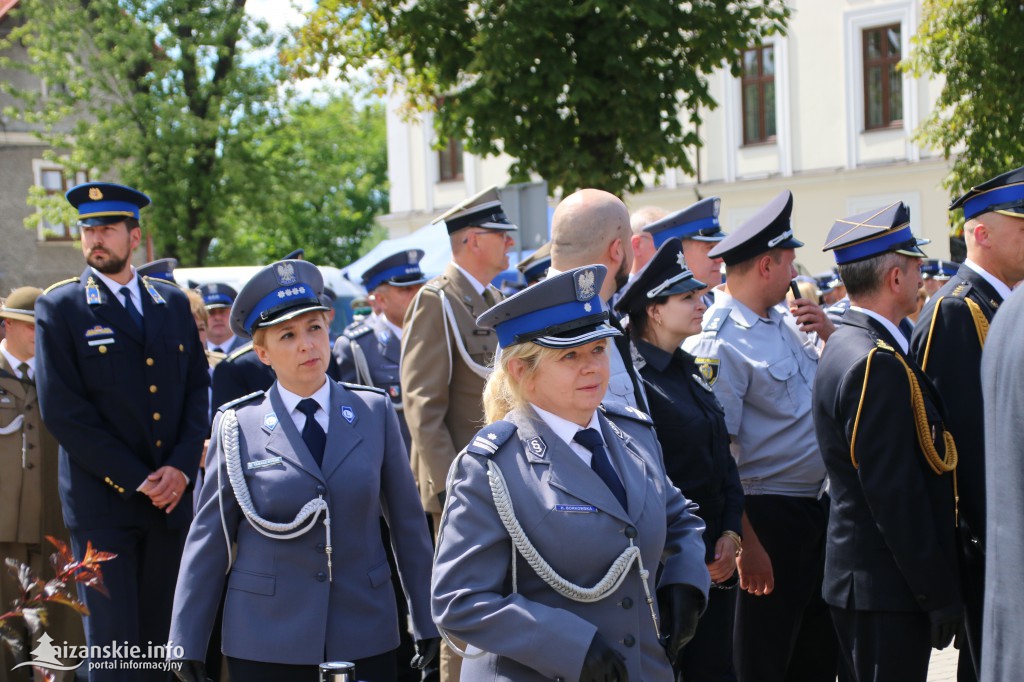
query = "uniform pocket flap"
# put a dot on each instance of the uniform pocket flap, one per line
(783, 369)
(379, 574)
(257, 583)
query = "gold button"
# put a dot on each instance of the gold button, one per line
(156, 416)
(152, 389)
(103, 349)
(159, 443)
(149, 361)
(181, 347)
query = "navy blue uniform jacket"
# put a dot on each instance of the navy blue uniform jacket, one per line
(121, 402)
(891, 532)
(953, 362)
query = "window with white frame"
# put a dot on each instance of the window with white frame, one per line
(883, 83)
(54, 179)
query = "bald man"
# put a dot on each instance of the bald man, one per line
(591, 227)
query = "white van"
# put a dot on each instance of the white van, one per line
(236, 276)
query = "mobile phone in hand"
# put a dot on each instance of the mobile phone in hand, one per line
(795, 289)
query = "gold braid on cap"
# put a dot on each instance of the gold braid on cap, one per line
(937, 463)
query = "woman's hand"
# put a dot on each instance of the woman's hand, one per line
(724, 565)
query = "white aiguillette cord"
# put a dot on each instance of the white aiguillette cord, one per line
(611, 581)
(226, 437)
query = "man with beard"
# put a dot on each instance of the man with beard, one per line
(591, 227)
(122, 382)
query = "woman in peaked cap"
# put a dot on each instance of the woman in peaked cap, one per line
(297, 479)
(664, 306)
(578, 492)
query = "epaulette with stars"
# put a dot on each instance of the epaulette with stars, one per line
(617, 409)
(491, 438)
(356, 332)
(717, 319)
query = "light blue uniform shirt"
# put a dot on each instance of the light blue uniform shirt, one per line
(762, 371)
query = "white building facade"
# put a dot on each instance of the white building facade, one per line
(822, 111)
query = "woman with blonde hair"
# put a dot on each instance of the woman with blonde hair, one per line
(298, 478)
(578, 493)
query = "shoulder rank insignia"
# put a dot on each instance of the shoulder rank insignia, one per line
(361, 387)
(884, 346)
(153, 293)
(717, 319)
(356, 332)
(238, 401)
(623, 410)
(961, 290)
(491, 438)
(708, 368)
(70, 280)
(92, 292)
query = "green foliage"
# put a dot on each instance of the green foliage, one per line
(975, 45)
(329, 170)
(173, 98)
(585, 93)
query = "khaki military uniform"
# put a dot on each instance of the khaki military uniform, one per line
(442, 393)
(29, 508)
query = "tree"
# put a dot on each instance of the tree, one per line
(581, 92)
(329, 164)
(155, 94)
(975, 45)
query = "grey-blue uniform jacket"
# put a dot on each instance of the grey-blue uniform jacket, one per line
(122, 402)
(579, 528)
(383, 353)
(281, 606)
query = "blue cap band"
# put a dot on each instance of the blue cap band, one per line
(100, 208)
(397, 271)
(874, 246)
(685, 230)
(217, 299)
(282, 297)
(986, 200)
(539, 320)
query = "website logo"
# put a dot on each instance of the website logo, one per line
(45, 655)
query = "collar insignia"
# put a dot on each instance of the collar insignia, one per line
(92, 292)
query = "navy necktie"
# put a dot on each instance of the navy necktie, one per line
(133, 312)
(599, 462)
(312, 433)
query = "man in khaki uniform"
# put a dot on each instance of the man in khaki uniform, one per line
(29, 501)
(446, 357)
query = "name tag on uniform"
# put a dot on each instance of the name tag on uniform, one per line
(576, 508)
(101, 342)
(260, 463)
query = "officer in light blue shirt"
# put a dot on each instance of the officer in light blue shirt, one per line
(760, 361)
